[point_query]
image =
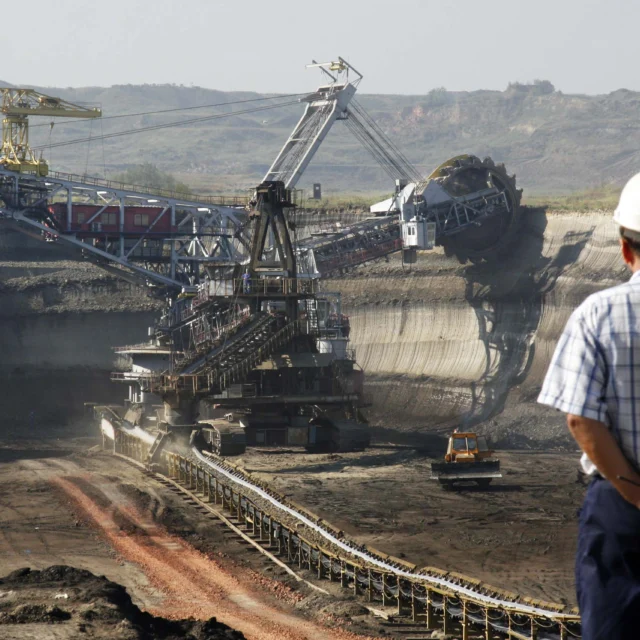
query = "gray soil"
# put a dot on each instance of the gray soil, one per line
(444, 344)
(65, 602)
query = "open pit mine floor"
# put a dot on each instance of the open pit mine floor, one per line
(63, 506)
(519, 534)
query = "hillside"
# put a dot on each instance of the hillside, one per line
(555, 143)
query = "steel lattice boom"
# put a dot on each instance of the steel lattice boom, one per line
(160, 239)
(17, 105)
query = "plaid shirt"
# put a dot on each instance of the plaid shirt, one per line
(595, 370)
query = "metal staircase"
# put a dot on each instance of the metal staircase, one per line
(232, 364)
(208, 333)
(241, 368)
(312, 314)
(248, 343)
(226, 345)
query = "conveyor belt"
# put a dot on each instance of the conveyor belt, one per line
(450, 596)
(365, 555)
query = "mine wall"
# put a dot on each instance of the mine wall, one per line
(59, 321)
(446, 344)
(441, 343)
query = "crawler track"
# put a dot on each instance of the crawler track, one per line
(439, 599)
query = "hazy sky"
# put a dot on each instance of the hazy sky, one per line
(400, 46)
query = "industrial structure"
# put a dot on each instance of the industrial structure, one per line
(430, 598)
(249, 350)
(17, 105)
(256, 351)
(248, 342)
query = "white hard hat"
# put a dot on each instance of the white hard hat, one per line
(627, 214)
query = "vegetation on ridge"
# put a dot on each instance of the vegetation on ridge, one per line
(554, 142)
(148, 175)
(603, 198)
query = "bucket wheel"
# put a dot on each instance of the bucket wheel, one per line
(464, 175)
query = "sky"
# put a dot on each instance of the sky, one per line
(400, 46)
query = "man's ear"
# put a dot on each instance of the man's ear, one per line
(628, 255)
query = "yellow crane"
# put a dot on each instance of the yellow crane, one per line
(17, 105)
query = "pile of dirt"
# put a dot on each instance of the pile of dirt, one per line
(25, 613)
(83, 603)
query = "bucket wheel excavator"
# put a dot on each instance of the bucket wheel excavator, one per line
(469, 206)
(247, 334)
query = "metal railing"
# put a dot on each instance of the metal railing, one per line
(131, 376)
(259, 287)
(198, 383)
(228, 341)
(229, 201)
(142, 346)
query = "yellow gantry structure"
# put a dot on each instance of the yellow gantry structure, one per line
(17, 105)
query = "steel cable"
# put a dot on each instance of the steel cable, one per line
(359, 130)
(169, 125)
(411, 172)
(159, 111)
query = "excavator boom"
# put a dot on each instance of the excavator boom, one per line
(28, 102)
(326, 105)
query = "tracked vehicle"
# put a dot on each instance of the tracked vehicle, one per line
(468, 459)
(256, 356)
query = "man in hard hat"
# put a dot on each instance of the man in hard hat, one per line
(594, 377)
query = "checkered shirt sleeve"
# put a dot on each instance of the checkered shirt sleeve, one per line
(576, 380)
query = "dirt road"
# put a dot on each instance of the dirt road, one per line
(194, 586)
(36, 530)
(100, 514)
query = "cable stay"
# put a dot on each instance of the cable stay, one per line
(376, 141)
(161, 111)
(167, 125)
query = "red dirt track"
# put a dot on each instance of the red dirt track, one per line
(194, 585)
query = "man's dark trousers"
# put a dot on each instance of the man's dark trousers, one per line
(608, 565)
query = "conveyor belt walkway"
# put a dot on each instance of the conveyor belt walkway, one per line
(306, 540)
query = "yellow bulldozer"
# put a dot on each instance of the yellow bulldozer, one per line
(468, 459)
